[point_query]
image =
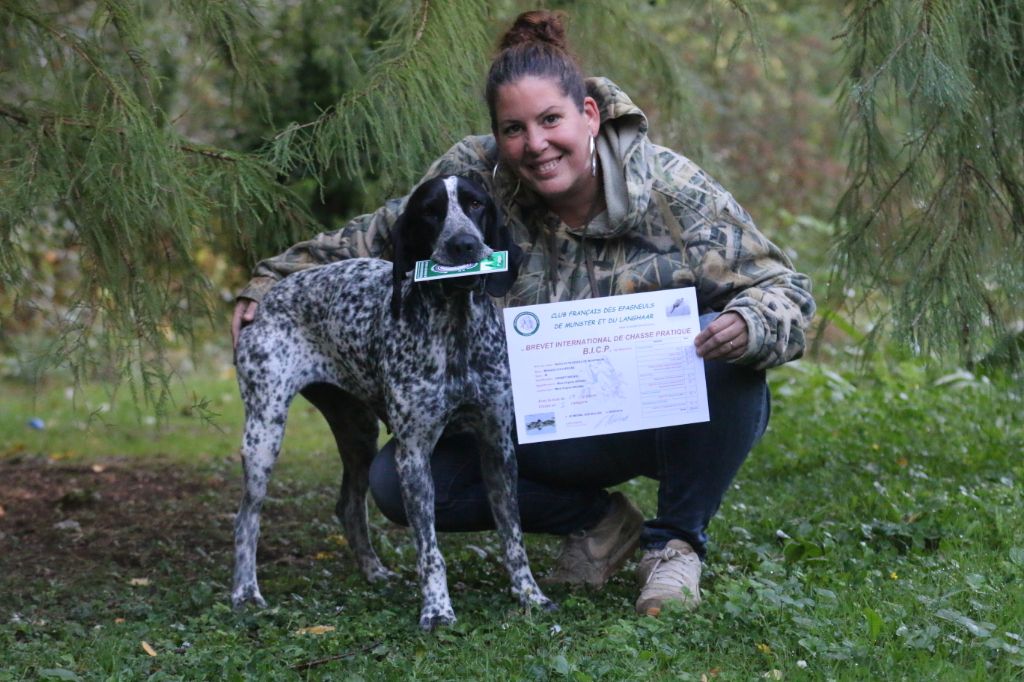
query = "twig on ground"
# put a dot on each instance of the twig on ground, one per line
(337, 657)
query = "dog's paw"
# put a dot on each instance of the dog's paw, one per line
(537, 600)
(379, 574)
(531, 597)
(247, 594)
(432, 618)
(548, 606)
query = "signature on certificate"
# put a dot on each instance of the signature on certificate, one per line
(616, 417)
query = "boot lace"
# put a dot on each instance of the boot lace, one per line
(669, 573)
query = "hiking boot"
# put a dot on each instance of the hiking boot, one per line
(590, 557)
(669, 574)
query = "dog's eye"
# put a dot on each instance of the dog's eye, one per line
(474, 205)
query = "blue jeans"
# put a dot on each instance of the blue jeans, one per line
(562, 483)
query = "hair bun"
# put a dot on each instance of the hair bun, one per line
(535, 46)
(544, 26)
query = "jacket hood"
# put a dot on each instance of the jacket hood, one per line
(622, 148)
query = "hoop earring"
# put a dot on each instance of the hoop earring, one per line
(494, 178)
(593, 158)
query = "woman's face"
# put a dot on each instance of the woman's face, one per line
(545, 140)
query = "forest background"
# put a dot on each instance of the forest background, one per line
(151, 152)
(151, 155)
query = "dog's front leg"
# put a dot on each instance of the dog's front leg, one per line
(498, 466)
(413, 465)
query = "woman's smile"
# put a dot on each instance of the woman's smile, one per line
(546, 167)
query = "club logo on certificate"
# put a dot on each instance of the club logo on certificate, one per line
(526, 324)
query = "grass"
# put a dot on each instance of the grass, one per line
(875, 533)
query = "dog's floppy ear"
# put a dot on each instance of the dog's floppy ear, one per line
(412, 237)
(498, 237)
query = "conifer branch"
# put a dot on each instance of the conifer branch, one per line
(16, 117)
(859, 19)
(410, 106)
(424, 7)
(375, 86)
(72, 43)
(934, 221)
(883, 197)
(192, 148)
(120, 18)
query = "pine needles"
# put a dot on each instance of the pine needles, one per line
(102, 149)
(933, 215)
(143, 134)
(92, 140)
(420, 96)
(89, 140)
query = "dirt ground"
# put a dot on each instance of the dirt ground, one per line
(69, 521)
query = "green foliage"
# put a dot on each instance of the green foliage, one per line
(150, 153)
(873, 534)
(933, 105)
(87, 144)
(138, 138)
(384, 125)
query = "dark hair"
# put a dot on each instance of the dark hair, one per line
(535, 45)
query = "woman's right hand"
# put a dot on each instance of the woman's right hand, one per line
(245, 312)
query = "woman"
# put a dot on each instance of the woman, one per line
(600, 210)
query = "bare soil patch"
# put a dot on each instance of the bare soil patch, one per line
(110, 518)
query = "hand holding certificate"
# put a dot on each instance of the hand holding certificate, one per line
(596, 366)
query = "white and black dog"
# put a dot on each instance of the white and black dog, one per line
(361, 342)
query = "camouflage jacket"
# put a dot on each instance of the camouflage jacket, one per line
(668, 225)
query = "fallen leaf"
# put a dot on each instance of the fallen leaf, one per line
(139, 582)
(323, 556)
(69, 525)
(2, 511)
(98, 468)
(479, 551)
(315, 630)
(148, 649)
(339, 540)
(119, 620)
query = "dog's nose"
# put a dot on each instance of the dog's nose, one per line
(464, 245)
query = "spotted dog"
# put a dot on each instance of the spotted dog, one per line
(361, 341)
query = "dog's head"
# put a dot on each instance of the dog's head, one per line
(451, 220)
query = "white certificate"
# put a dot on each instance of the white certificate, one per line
(605, 365)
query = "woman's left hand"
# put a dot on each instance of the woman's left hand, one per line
(724, 339)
